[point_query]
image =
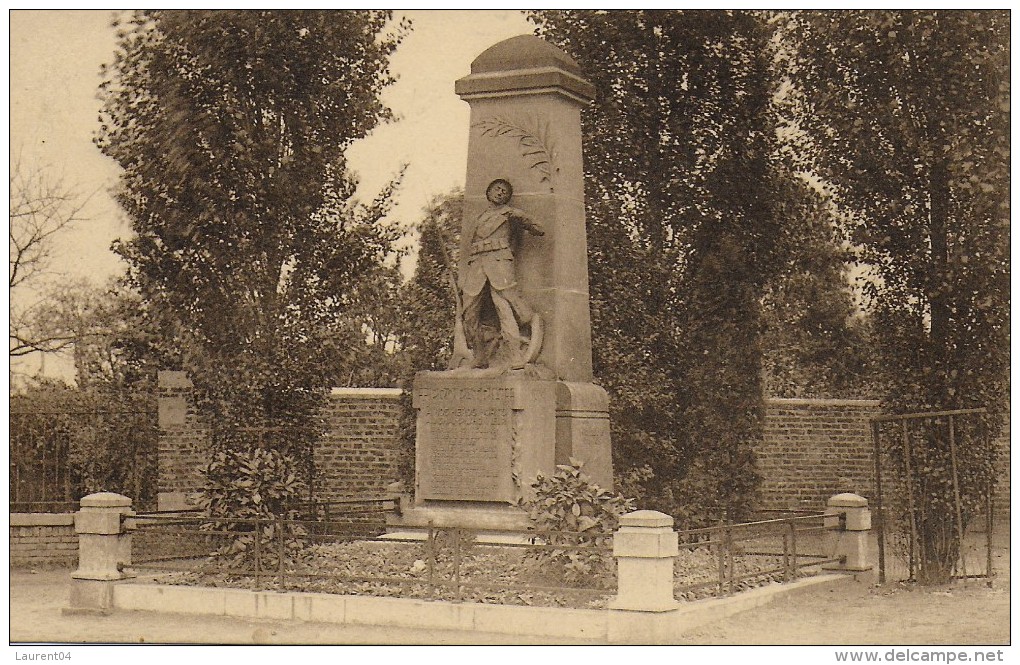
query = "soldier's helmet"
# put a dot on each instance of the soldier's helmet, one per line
(499, 181)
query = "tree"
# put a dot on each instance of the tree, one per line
(429, 302)
(375, 321)
(43, 206)
(816, 340)
(685, 190)
(428, 310)
(114, 347)
(99, 434)
(908, 115)
(231, 128)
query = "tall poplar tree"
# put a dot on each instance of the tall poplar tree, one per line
(908, 116)
(231, 129)
(685, 192)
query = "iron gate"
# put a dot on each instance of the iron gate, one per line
(907, 448)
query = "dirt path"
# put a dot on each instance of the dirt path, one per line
(862, 613)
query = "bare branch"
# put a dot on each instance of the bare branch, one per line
(42, 207)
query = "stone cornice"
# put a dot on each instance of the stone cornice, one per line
(526, 82)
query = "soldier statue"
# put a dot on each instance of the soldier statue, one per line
(489, 277)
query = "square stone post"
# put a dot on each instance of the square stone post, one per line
(104, 548)
(645, 546)
(849, 520)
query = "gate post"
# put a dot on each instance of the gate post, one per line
(104, 548)
(849, 519)
(645, 546)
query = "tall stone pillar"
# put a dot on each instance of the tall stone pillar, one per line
(526, 97)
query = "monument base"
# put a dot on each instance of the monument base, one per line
(477, 516)
(482, 440)
(582, 430)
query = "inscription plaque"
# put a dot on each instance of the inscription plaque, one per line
(465, 442)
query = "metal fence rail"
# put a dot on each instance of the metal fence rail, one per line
(318, 555)
(456, 564)
(43, 506)
(773, 549)
(365, 510)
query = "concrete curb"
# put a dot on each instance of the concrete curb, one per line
(614, 626)
(701, 612)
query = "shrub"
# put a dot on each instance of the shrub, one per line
(576, 512)
(250, 484)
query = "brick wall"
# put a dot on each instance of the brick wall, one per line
(814, 449)
(38, 539)
(359, 455)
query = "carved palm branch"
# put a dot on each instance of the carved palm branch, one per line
(532, 144)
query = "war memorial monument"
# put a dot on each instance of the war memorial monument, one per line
(518, 398)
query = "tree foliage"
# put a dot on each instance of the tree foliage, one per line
(574, 513)
(907, 113)
(100, 432)
(816, 340)
(257, 487)
(685, 199)
(231, 129)
(112, 342)
(376, 315)
(430, 296)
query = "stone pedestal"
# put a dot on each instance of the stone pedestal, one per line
(104, 549)
(582, 430)
(645, 546)
(480, 444)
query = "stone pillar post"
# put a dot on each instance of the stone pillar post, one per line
(645, 546)
(849, 521)
(181, 442)
(104, 548)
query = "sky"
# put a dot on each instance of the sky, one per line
(55, 59)
(55, 62)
